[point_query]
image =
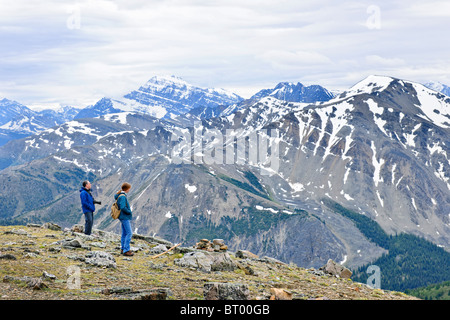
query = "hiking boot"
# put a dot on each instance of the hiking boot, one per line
(128, 254)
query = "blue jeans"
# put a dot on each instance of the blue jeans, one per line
(89, 222)
(126, 235)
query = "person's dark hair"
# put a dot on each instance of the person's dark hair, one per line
(85, 183)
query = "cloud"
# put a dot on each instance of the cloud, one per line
(76, 52)
(376, 60)
(280, 59)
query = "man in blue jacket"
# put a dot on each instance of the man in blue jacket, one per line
(88, 206)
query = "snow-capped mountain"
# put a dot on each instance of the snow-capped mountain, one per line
(295, 92)
(11, 109)
(165, 96)
(284, 91)
(437, 86)
(18, 121)
(160, 97)
(380, 148)
(101, 107)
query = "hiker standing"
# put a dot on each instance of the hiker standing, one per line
(88, 206)
(125, 218)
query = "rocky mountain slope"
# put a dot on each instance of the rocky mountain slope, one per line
(47, 263)
(379, 148)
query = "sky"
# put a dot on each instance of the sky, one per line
(75, 52)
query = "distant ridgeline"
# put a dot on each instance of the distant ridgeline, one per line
(411, 261)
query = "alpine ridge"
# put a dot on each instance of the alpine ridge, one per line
(295, 92)
(379, 148)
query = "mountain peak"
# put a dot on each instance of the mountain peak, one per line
(295, 92)
(174, 96)
(168, 79)
(370, 84)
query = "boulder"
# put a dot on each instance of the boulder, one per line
(7, 256)
(33, 225)
(34, 283)
(280, 294)
(152, 294)
(46, 275)
(243, 265)
(117, 290)
(336, 269)
(72, 243)
(207, 261)
(219, 242)
(217, 245)
(244, 254)
(225, 291)
(100, 259)
(19, 232)
(160, 248)
(222, 262)
(77, 228)
(51, 226)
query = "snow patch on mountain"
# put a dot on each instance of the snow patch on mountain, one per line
(370, 84)
(377, 112)
(116, 117)
(434, 109)
(190, 188)
(439, 87)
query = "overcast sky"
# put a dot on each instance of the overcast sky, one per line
(75, 52)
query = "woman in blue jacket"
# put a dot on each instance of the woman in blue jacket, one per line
(125, 218)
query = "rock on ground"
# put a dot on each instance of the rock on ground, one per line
(336, 269)
(100, 259)
(225, 291)
(207, 261)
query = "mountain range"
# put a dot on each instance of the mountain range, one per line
(161, 96)
(18, 121)
(379, 149)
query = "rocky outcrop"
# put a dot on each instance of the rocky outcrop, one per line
(206, 261)
(336, 269)
(100, 259)
(280, 294)
(225, 291)
(34, 283)
(75, 271)
(217, 245)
